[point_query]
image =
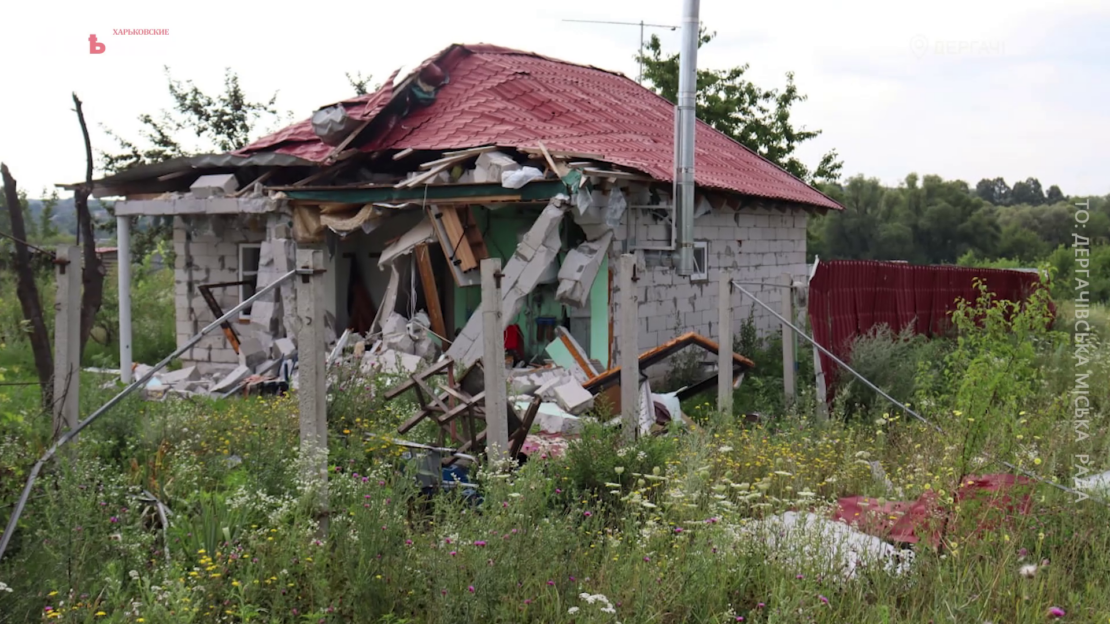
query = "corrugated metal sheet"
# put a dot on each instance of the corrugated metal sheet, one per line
(499, 96)
(201, 162)
(848, 298)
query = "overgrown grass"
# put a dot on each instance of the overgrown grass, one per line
(654, 531)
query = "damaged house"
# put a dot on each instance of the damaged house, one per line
(481, 151)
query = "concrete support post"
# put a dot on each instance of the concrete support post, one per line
(724, 343)
(789, 387)
(123, 267)
(312, 379)
(630, 350)
(67, 339)
(493, 362)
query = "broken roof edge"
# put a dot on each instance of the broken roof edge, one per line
(196, 163)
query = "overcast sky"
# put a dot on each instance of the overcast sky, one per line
(961, 88)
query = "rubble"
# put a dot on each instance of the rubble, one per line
(231, 380)
(796, 540)
(573, 398)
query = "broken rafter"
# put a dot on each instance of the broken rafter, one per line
(559, 170)
(454, 157)
(535, 151)
(403, 153)
(259, 180)
(323, 173)
(623, 175)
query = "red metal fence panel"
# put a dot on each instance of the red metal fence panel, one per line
(848, 298)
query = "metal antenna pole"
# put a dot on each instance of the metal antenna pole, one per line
(642, 26)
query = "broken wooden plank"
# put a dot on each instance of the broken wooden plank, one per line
(561, 153)
(456, 235)
(323, 173)
(623, 175)
(403, 153)
(460, 409)
(425, 177)
(431, 293)
(559, 170)
(474, 151)
(350, 137)
(521, 434)
(455, 157)
(259, 180)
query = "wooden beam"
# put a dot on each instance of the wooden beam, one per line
(456, 237)
(535, 190)
(454, 157)
(431, 293)
(403, 153)
(259, 180)
(559, 170)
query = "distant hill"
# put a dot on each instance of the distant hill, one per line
(65, 214)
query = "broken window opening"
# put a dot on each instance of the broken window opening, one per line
(701, 262)
(250, 255)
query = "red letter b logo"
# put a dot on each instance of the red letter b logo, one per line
(95, 47)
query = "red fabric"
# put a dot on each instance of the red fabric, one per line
(848, 298)
(1002, 496)
(514, 339)
(510, 98)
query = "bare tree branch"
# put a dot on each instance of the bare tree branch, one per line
(92, 273)
(28, 291)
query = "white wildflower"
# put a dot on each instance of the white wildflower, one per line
(4, 588)
(1028, 570)
(725, 449)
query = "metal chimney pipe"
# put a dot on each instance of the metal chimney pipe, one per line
(684, 136)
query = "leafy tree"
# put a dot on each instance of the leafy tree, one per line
(1054, 195)
(361, 84)
(222, 123)
(758, 118)
(46, 230)
(1029, 192)
(994, 191)
(1021, 244)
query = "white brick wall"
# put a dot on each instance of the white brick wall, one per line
(757, 245)
(208, 256)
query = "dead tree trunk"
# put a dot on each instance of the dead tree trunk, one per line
(92, 273)
(28, 292)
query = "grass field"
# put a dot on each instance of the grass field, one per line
(657, 531)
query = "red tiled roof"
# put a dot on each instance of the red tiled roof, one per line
(499, 96)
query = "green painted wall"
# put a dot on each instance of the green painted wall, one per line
(499, 229)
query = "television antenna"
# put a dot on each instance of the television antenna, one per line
(642, 26)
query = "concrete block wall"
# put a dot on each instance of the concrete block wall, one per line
(757, 245)
(207, 252)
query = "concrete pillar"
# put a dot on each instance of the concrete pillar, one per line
(493, 362)
(123, 268)
(67, 339)
(630, 351)
(724, 343)
(311, 354)
(789, 387)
